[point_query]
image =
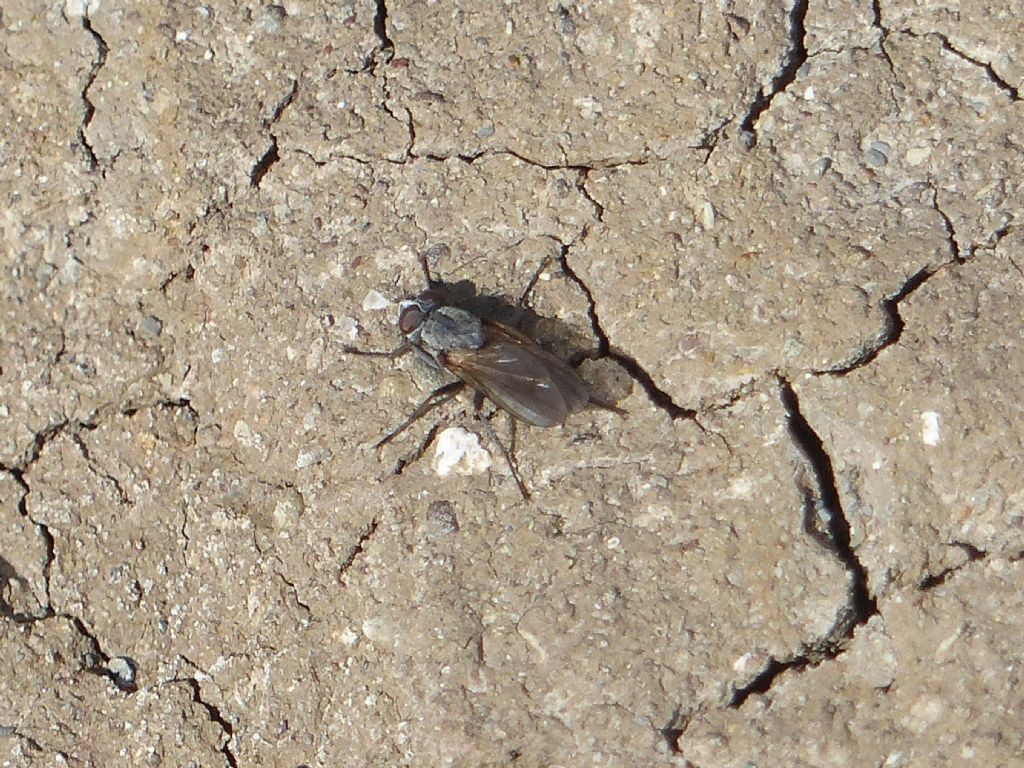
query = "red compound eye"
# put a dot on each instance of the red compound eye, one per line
(411, 318)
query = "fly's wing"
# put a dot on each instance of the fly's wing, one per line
(528, 382)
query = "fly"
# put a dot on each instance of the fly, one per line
(494, 359)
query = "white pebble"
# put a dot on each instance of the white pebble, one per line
(930, 428)
(458, 450)
(375, 300)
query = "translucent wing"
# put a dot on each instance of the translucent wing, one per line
(528, 382)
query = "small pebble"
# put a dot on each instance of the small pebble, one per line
(150, 326)
(122, 672)
(44, 273)
(307, 459)
(458, 450)
(287, 512)
(442, 518)
(878, 154)
(930, 432)
(272, 17)
(875, 158)
(375, 300)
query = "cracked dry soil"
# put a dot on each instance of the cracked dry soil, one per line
(783, 238)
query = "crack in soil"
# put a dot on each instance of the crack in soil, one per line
(271, 156)
(893, 330)
(263, 165)
(214, 713)
(89, 108)
(6, 610)
(883, 36)
(380, 28)
(708, 142)
(973, 553)
(122, 495)
(894, 323)
(861, 604)
(796, 55)
(385, 54)
(672, 732)
(187, 274)
(34, 745)
(97, 661)
(40, 440)
(291, 586)
(357, 550)
(281, 106)
(659, 397)
(18, 473)
(1012, 92)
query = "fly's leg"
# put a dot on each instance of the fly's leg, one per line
(524, 297)
(416, 455)
(426, 270)
(403, 349)
(512, 435)
(439, 396)
(509, 455)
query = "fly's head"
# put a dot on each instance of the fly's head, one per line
(413, 314)
(435, 327)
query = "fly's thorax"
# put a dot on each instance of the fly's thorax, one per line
(446, 328)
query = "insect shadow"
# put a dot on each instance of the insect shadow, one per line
(476, 339)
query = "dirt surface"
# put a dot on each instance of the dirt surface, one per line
(783, 239)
